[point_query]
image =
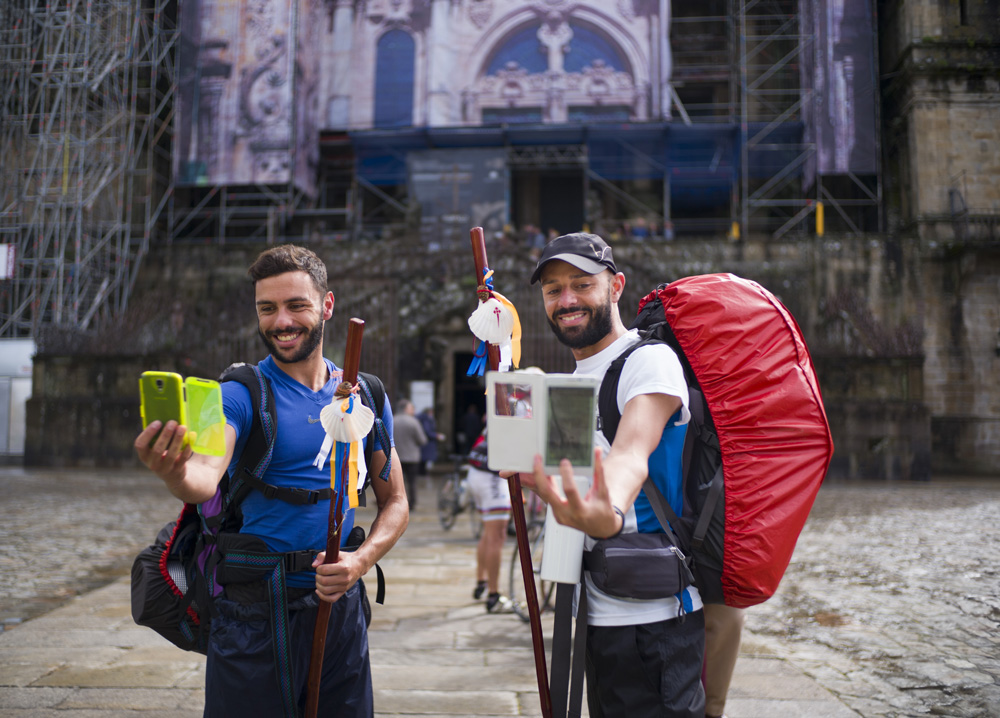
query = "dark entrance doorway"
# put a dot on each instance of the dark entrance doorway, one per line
(470, 404)
(550, 199)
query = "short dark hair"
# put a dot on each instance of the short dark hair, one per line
(289, 258)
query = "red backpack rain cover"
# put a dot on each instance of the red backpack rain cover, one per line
(755, 371)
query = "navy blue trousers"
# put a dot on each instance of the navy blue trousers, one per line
(241, 678)
(650, 670)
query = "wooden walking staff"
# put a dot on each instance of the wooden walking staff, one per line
(517, 508)
(352, 358)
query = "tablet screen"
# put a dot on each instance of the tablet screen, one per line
(570, 427)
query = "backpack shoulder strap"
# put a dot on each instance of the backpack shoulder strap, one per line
(607, 397)
(373, 396)
(259, 447)
(375, 392)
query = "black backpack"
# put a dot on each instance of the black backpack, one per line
(176, 580)
(701, 530)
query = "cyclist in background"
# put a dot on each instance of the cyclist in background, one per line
(492, 497)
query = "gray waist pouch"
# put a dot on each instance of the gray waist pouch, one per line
(642, 566)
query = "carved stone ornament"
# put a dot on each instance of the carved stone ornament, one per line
(264, 95)
(259, 19)
(627, 9)
(480, 12)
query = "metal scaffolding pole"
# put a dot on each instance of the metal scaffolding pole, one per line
(772, 99)
(86, 91)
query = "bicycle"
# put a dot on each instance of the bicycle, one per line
(454, 498)
(544, 590)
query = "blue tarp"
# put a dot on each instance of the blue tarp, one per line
(699, 155)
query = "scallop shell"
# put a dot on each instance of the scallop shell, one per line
(346, 426)
(492, 322)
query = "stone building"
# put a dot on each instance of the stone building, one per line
(941, 132)
(698, 135)
(484, 61)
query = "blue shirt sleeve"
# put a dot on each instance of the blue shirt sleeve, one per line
(238, 408)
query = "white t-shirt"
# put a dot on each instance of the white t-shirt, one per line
(652, 369)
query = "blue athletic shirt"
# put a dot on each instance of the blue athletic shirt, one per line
(282, 526)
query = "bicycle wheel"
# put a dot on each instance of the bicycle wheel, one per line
(447, 503)
(543, 589)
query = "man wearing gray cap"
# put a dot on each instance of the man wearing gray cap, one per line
(644, 657)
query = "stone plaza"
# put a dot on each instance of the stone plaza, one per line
(890, 607)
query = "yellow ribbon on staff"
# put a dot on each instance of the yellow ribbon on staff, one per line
(352, 463)
(515, 337)
(352, 475)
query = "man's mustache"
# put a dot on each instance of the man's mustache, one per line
(569, 310)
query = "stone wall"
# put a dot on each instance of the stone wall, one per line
(941, 105)
(881, 427)
(904, 338)
(84, 410)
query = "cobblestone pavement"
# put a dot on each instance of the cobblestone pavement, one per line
(892, 599)
(63, 533)
(891, 602)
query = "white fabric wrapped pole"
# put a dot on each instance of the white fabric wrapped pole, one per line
(344, 420)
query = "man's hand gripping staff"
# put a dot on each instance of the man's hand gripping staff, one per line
(352, 359)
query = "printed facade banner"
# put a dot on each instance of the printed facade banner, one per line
(258, 79)
(247, 96)
(841, 71)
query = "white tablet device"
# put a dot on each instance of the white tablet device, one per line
(554, 415)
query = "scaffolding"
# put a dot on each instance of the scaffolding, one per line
(772, 103)
(85, 139)
(779, 185)
(86, 182)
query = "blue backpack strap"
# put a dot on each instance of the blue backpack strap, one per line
(259, 447)
(272, 567)
(373, 396)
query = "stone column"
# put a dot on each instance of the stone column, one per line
(439, 66)
(666, 60)
(338, 66)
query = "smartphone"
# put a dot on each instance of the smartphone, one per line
(207, 423)
(162, 396)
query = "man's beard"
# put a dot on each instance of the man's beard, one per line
(312, 340)
(597, 327)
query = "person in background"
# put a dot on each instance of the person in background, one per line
(723, 631)
(428, 452)
(492, 497)
(409, 437)
(472, 425)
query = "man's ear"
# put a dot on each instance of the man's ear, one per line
(328, 306)
(617, 286)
